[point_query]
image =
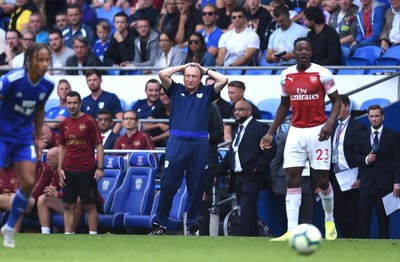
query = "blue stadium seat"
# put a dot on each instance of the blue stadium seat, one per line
(136, 193)
(131, 105)
(385, 61)
(175, 221)
(114, 173)
(393, 51)
(371, 53)
(268, 107)
(123, 104)
(374, 101)
(50, 103)
(354, 61)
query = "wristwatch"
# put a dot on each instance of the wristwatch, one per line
(101, 168)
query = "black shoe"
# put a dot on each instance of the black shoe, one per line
(158, 231)
(192, 230)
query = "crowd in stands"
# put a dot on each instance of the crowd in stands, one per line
(157, 33)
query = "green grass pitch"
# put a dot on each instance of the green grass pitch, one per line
(108, 247)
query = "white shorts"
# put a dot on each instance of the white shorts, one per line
(302, 145)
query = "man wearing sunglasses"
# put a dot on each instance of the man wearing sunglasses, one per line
(211, 32)
(238, 46)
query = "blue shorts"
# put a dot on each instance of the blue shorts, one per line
(11, 152)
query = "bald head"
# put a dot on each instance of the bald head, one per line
(242, 111)
(52, 158)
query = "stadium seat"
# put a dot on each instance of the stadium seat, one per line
(136, 193)
(123, 104)
(374, 101)
(385, 61)
(50, 103)
(114, 173)
(371, 53)
(354, 61)
(393, 52)
(175, 221)
(131, 105)
(268, 107)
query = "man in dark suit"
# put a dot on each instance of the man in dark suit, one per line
(378, 158)
(344, 135)
(105, 121)
(248, 165)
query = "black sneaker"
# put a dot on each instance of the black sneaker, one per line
(192, 230)
(158, 230)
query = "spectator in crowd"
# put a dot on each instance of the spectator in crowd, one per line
(248, 165)
(311, 3)
(238, 46)
(100, 99)
(13, 47)
(49, 137)
(390, 34)
(6, 8)
(79, 135)
(146, 44)
(296, 81)
(159, 132)
(378, 158)
(27, 40)
(344, 21)
(51, 199)
(103, 32)
(236, 91)
(59, 52)
(145, 107)
(76, 27)
(258, 19)
(325, 40)
(170, 54)
(20, 16)
(59, 112)
(188, 138)
(197, 51)
(105, 120)
(36, 25)
(17, 124)
(133, 138)
(272, 25)
(280, 46)
(279, 185)
(61, 20)
(224, 15)
(211, 32)
(124, 5)
(122, 46)
(344, 134)
(83, 56)
(144, 8)
(165, 20)
(187, 22)
(215, 136)
(370, 23)
(89, 16)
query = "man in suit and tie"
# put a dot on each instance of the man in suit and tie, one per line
(105, 121)
(248, 165)
(344, 135)
(378, 158)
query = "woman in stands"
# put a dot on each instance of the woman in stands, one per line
(197, 51)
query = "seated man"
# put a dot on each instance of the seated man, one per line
(133, 138)
(390, 34)
(59, 112)
(105, 120)
(51, 198)
(238, 46)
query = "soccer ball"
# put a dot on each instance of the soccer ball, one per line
(305, 239)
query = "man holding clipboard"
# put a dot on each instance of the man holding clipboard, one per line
(344, 169)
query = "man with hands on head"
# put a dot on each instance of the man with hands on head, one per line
(188, 127)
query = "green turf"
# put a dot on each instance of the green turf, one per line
(59, 247)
